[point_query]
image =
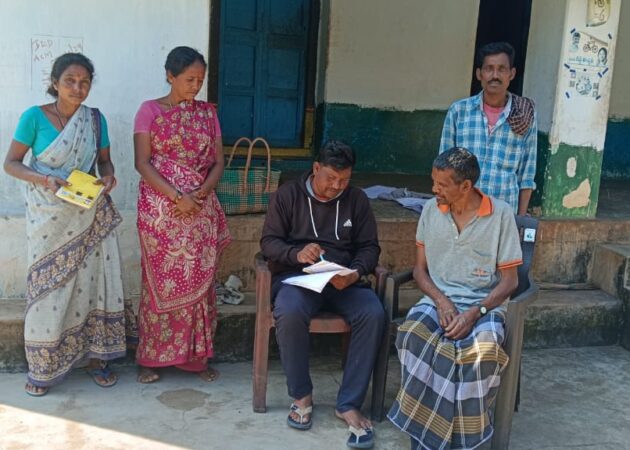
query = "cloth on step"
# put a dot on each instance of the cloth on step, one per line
(230, 292)
(406, 198)
(373, 192)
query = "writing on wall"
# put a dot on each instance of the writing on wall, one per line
(44, 51)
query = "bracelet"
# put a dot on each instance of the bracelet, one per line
(178, 196)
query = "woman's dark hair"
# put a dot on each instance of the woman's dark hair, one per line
(62, 63)
(180, 58)
(464, 164)
(337, 155)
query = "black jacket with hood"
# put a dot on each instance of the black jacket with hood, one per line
(344, 227)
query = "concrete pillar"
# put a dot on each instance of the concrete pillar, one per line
(580, 110)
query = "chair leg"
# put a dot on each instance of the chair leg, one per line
(518, 391)
(379, 379)
(260, 367)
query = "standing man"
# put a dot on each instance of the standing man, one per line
(321, 216)
(499, 128)
(449, 346)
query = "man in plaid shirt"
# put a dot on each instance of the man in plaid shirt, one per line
(498, 127)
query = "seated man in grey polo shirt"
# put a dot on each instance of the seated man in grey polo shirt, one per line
(449, 346)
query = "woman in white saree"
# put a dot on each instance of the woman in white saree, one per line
(75, 304)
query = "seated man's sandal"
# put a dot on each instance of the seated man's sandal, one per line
(301, 412)
(360, 437)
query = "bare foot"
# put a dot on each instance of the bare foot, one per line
(209, 375)
(35, 391)
(354, 418)
(302, 403)
(147, 376)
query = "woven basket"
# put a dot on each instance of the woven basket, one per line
(245, 190)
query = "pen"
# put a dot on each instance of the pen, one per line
(321, 257)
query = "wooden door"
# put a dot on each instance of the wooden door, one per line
(262, 70)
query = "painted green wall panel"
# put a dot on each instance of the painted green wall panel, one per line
(558, 182)
(385, 140)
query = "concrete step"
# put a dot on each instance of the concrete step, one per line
(611, 268)
(610, 271)
(562, 318)
(234, 339)
(556, 319)
(573, 318)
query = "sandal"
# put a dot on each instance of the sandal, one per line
(104, 373)
(209, 375)
(360, 437)
(147, 376)
(35, 391)
(301, 412)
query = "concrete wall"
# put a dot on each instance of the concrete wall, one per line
(544, 67)
(543, 58)
(620, 95)
(578, 131)
(128, 43)
(407, 55)
(392, 70)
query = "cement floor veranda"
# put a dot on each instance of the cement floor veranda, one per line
(571, 398)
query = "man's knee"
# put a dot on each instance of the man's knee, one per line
(291, 306)
(371, 310)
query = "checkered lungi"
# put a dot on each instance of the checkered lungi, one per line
(447, 387)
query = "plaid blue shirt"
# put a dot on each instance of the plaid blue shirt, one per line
(507, 160)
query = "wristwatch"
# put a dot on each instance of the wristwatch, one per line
(482, 309)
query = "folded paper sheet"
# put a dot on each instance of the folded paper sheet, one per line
(318, 275)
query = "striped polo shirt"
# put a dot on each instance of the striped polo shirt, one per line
(465, 265)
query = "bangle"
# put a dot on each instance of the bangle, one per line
(178, 196)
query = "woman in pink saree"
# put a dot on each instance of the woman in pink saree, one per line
(181, 225)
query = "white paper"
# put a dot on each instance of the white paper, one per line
(328, 266)
(319, 274)
(314, 281)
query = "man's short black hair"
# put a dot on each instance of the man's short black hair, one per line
(495, 48)
(336, 154)
(464, 164)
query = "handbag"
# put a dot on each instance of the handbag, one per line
(246, 190)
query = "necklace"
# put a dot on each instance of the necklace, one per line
(63, 125)
(167, 102)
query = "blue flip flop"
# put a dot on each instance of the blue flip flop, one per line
(301, 412)
(103, 372)
(360, 437)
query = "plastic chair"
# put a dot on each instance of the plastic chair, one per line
(323, 322)
(507, 397)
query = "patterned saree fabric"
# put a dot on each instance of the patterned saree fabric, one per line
(448, 387)
(177, 315)
(75, 303)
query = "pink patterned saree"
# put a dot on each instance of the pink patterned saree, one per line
(177, 316)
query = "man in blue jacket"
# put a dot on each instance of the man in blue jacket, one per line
(321, 216)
